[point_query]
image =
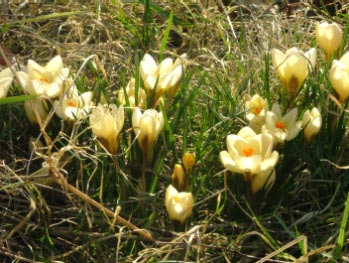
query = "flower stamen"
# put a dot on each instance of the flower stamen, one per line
(43, 79)
(257, 110)
(280, 125)
(72, 104)
(248, 151)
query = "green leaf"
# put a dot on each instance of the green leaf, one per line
(166, 34)
(16, 99)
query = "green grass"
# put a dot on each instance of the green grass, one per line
(78, 216)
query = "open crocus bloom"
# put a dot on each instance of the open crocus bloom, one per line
(293, 67)
(249, 153)
(256, 108)
(282, 127)
(106, 124)
(311, 123)
(329, 37)
(339, 77)
(6, 78)
(147, 126)
(44, 80)
(163, 77)
(73, 106)
(179, 205)
(131, 95)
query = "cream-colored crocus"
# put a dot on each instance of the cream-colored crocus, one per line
(339, 77)
(106, 124)
(282, 127)
(329, 37)
(46, 80)
(311, 123)
(256, 108)
(147, 126)
(293, 67)
(130, 95)
(179, 205)
(161, 78)
(73, 106)
(36, 110)
(249, 154)
(6, 78)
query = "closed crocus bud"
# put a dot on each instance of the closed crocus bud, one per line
(249, 153)
(130, 96)
(179, 205)
(311, 123)
(106, 124)
(147, 127)
(329, 37)
(188, 160)
(339, 77)
(36, 110)
(293, 67)
(6, 78)
(46, 80)
(178, 178)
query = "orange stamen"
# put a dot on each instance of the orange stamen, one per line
(44, 79)
(72, 104)
(248, 151)
(280, 125)
(257, 110)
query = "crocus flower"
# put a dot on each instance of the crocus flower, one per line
(44, 80)
(163, 77)
(256, 108)
(293, 67)
(311, 123)
(131, 95)
(72, 105)
(106, 124)
(147, 126)
(179, 205)
(188, 161)
(339, 77)
(178, 177)
(329, 37)
(6, 78)
(249, 154)
(282, 127)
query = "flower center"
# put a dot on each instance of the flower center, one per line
(72, 104)
(44, 79)
(280, 125)
(257, 110)
(248, 151)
